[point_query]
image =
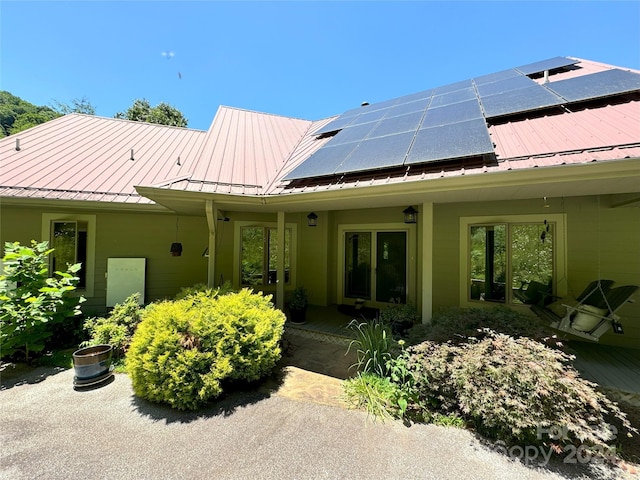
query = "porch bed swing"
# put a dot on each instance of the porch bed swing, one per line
(592, 313)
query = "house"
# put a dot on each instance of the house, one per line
(531, 174)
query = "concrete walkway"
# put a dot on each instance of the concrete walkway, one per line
(48, 430)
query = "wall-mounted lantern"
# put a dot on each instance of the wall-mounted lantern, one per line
(176, 249)
(312, 219)
(410, 215)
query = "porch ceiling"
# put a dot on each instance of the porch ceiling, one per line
(617, 177)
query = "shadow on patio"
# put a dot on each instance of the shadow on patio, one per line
(616, 370)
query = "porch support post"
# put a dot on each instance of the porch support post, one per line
(280, 262)
(427, 261)
(212, 222)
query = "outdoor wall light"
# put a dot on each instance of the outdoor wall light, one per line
(176, 249)
(312, 219)
(410, 215)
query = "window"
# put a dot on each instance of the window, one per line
(259, 255)
(513, 262)
(69, 241)
(73, 239)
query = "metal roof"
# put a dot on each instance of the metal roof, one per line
(84, 157)
(89, 158)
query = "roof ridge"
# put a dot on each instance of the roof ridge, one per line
(263, 113)
(100, 117)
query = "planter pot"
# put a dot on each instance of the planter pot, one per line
(92, 364)
(298, 315)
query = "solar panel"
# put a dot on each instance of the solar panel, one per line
(352, 134)
(377, 153)
(380, 105)
(495, 77)
(506, 85)
(393, 125)
(521, 100)
(549, 64)
(455, 140)
(453, 97)
(414, 96)
(596, 85)
(368, 116)
(323, 162)
(337, 124)
(416, 106)
(452, 87)
(457, 112)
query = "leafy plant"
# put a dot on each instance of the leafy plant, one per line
(299, 299)
(183, 350)
(400, 317)
(373, 345)
(201, 288)
(118, 328)
(376, 395)
(511, 388)
(30, 299)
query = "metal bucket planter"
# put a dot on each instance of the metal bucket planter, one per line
(92, 365)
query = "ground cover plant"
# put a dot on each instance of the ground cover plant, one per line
(32, 303)
(184, 352)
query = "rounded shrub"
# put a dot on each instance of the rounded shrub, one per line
(184, 350)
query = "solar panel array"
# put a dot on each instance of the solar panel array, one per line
(449, 122)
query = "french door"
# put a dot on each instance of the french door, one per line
(375, 265)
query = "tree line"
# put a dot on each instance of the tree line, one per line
(17, 114)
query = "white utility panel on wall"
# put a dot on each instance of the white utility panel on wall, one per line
(125, 276)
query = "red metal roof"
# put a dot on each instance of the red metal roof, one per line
(81, 157)
(84, 157)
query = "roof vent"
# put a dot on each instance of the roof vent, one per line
(17, 144)
(132, 158)
(546, 76)
(364, 104)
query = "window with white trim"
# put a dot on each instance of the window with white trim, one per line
(513, 260)
(73, 239)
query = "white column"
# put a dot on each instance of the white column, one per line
(280, 262)
(425, 219)
(212, 222)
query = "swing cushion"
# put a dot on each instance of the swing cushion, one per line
(587, 318)
(559, 306)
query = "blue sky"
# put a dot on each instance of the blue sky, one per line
(301, 59)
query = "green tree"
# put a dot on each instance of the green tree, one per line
(77, 105)
(163, 114)
(30, 299)
(17, 114)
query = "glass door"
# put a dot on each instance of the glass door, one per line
(375, 266)
(357, 265)
(391, 267)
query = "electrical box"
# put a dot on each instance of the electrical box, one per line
(125, 276)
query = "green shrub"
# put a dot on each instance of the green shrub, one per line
(184, 350)
(31, 301)
(373, 345)
(459, 324)
(400, 317)
(511, 389)
(203, 289)
(118, 328)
